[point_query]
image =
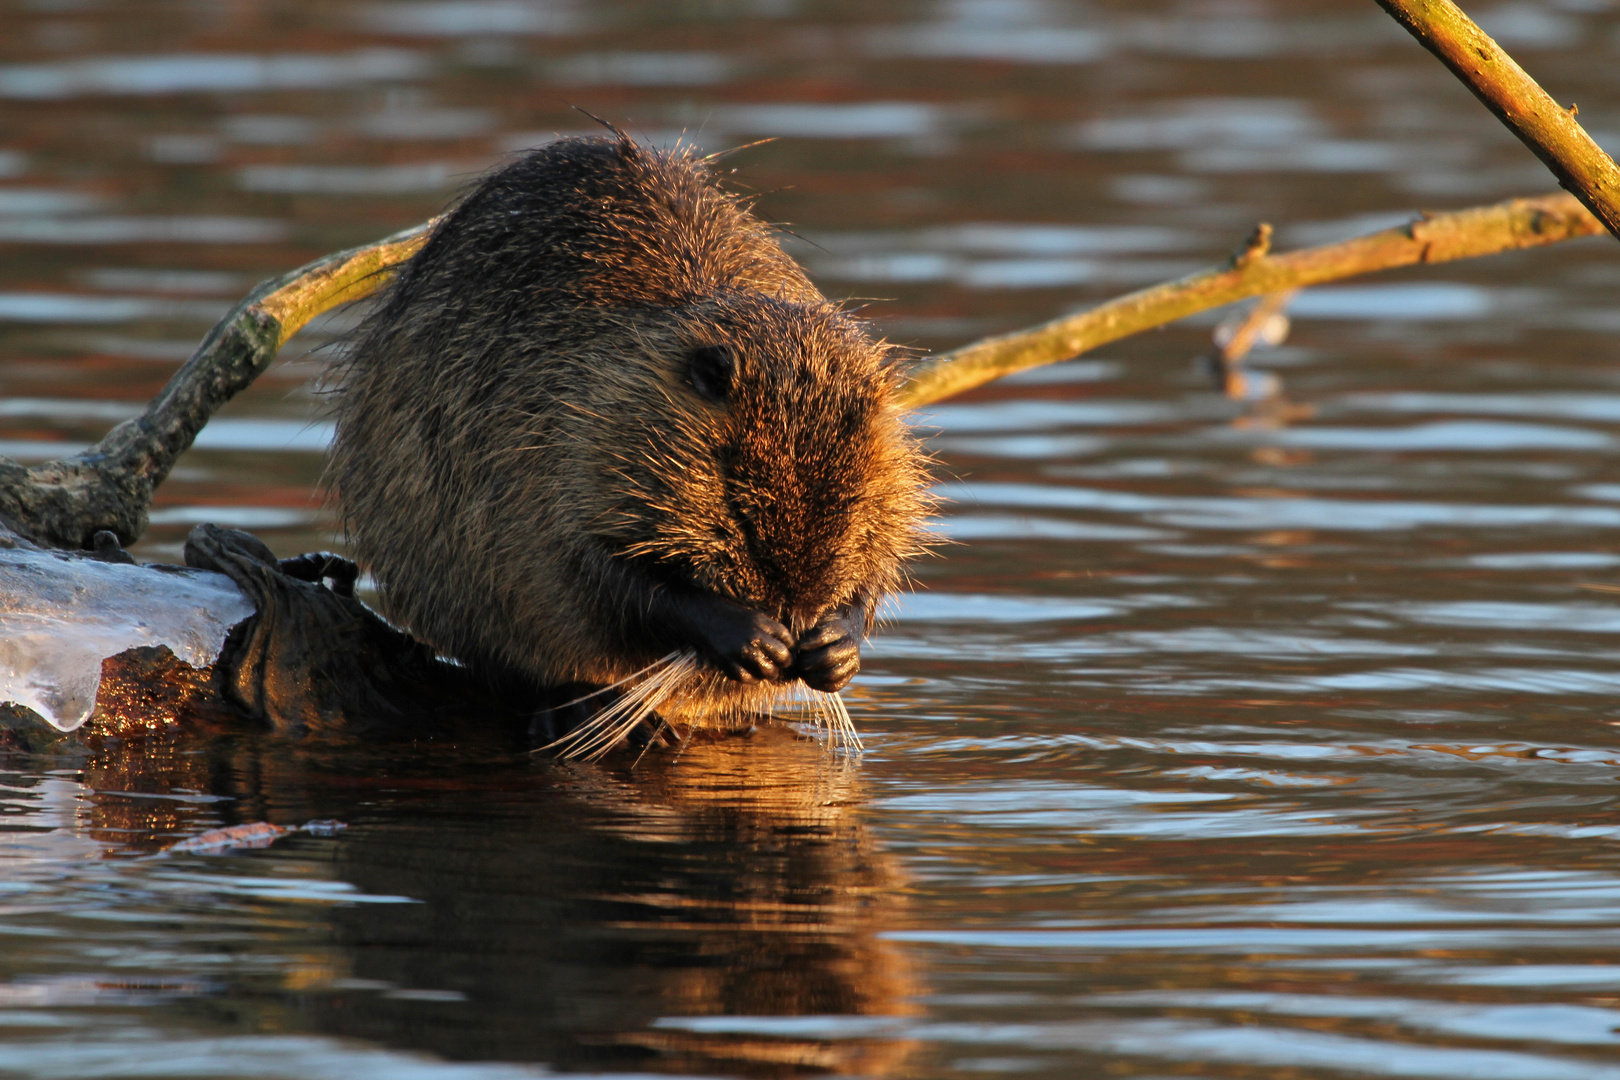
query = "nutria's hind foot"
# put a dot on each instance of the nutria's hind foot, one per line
(310, 659)
(316, 567)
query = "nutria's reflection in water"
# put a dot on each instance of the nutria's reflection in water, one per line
(562, 910)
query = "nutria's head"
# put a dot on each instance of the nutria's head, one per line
(752, 450)
(602, 356)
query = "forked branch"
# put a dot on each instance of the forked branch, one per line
(1518, 223)
(65, 503)
(109, 486)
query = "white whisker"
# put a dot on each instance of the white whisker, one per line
(610, 726)
(832, 714)
(605, 729)
(669, 658)
(663, 726)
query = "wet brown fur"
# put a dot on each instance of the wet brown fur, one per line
(519, 414)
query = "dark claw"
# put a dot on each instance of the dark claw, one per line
(339, 573)
(830, 652)
(749, 646)
(104, 547)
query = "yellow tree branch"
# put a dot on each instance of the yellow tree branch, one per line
(1518, 223)
(108, 487)
(1546, 127)
(326, 283)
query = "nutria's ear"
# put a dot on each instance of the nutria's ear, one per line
(710, 370)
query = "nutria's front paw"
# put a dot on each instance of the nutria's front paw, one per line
(746, 645)
(829, 655)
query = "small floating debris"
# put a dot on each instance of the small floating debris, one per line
(245, 837)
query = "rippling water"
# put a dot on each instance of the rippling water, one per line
(1203, 748)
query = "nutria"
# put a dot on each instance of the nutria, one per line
(602, 430)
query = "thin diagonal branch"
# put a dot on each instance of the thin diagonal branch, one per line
(1546, 127)
(1518, 223)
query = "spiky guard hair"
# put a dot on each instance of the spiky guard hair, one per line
(522, 407)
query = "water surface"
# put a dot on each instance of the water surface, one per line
(1203, 748)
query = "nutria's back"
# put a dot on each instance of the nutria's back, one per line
(602, 417)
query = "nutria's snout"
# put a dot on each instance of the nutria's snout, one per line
(602, 426)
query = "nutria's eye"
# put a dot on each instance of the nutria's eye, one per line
(710, 371)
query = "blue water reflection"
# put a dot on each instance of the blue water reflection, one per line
(1209, 743)
(180, 73)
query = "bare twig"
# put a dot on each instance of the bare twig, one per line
(65, 503)
(1258, 325)
(1264, 322)
(1261, 392)
(1518, 223)
(1546, 127)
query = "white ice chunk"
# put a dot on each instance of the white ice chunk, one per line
(61, 615)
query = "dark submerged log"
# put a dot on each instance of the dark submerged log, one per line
(310, 660)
